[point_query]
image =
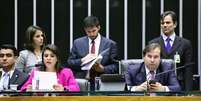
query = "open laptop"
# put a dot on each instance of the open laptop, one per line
(112, 82)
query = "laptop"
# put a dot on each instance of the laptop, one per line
(112, 82)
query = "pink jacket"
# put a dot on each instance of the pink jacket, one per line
(65, 77)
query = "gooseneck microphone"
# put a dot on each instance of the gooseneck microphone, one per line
(161, 73)
(184, 66)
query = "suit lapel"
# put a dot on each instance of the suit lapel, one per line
(141, 76)
(85, 44)
(163, 50)
(0, 74)
(176, 44)
(102, 44)
(14, 77)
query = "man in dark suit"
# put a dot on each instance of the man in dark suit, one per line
(138, 76)
(177, 48)
(9, 75)
(88, 47)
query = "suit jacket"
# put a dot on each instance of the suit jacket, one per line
(65, 78)
(136, 75)
(81, 48)
(26, 61)
(184, 48)
(18, 78)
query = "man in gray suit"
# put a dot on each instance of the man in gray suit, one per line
(9, 75)
(175, 47)
(139, 76)
(88, 47)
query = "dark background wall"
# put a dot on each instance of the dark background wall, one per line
(62, 22)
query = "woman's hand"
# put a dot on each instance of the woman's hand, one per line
(58, 87)
(29, 88)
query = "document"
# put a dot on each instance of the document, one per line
(44, 80)
(91, 63)
(88, 65)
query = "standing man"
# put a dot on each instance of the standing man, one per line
(9, 75)
(175, 46)
(138, 76)
(88, 47)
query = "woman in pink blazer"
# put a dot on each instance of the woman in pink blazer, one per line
(65, 77)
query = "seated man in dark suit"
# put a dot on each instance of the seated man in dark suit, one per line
(9, 75)
(138, 76)
(88, 47)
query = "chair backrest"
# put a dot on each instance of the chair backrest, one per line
(125, 63)
(83, 84)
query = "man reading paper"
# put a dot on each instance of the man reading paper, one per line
(86, 48)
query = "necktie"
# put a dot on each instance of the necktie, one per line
(152, 75)
(5, 81)
(168, 46)
(92, 72)
(93, 47)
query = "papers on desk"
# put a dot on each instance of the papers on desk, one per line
(44, 80)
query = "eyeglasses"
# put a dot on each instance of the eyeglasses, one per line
(7, 55)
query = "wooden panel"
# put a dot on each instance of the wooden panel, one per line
(103, 98)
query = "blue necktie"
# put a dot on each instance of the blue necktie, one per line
(5, 81)
(168, 45)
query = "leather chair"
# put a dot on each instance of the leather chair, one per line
(125, 63)
(83, 84)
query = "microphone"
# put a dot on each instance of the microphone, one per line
(161, 73)
(36, 65)
(1, 66)
(184, 66)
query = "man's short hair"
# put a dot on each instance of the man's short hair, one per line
(9, 46)
(170, 13)
(151, 47)
(90, 21)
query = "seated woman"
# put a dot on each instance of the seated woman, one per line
(65, 78)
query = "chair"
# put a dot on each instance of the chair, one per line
(111, 82)
(83, 84)
(125, 63)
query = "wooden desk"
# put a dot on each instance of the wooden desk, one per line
(102, 98)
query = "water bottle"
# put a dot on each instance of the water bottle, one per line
(97, 83)
(37, 84)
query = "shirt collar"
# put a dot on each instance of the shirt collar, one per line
(148, 71)
(10, 72)
(95, 40)
(172, 37)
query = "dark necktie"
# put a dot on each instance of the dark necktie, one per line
(93, 47)
(168, 45)
(92, 72)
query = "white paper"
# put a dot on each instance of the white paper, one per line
(90, 64)
(46, 80)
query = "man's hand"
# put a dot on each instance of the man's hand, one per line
(157, 87)
(98, 67)
(142, 87)
(88, 58)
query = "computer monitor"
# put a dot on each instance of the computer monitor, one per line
(112, 82)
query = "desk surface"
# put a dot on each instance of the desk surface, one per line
(102, 98)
